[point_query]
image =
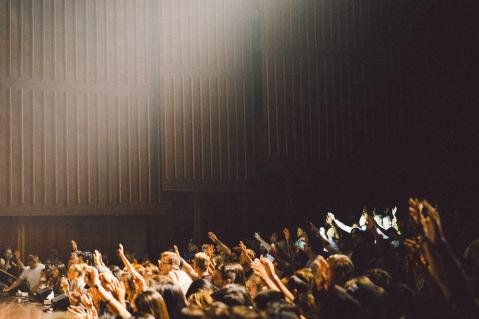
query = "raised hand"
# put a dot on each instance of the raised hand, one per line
(79, 312)
(118, 289)
(257, 236)
(97, 257)
(260, 270)
(74, 245)
(432, 223)
(394, 210)
(175, 249)
(213, 236)
(242, 246)
(140, 282)
(17, 254)
(210, 250)
(120, 250)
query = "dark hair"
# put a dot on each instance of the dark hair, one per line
(341, 268)
(173, 296)
(234, 272)
(315, 245)
(282, 310)
(192, 313)
(150, 301)
(379, 277)
(263, 298)
(197, 285)
(233, 295)
(87, 256)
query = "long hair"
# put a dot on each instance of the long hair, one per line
(150, 301)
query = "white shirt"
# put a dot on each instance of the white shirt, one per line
(32, 276)
(181, 278)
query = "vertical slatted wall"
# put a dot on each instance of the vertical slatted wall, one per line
(79, 106)
(208, 84)
(332, 81)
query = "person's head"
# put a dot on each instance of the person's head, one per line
(75, 271)
(299, 232)
(201, 298)
(86, 257)
(192, 247)
(150, 301)
(8, 254)
(32, 261)
(173, 297)
(228, 274)
(198, 285)
(58, 271)
(168, 261)
(372, 297)
(341, 269)
(379, 277)
(265, 297)
(217, 310)
(296, 285)
(233, 295)
(283, 310)
(192, 312)
(254, 284)
(313, 247)
(306, 275)
(201, 263)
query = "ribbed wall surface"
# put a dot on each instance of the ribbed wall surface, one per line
(79, 107)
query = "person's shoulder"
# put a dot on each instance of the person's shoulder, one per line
(41, 266)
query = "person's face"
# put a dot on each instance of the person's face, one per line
(8, 254)
(299, 232)
(192, 248)
(55, 272)
(165, 265)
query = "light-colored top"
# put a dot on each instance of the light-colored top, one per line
(32, 276)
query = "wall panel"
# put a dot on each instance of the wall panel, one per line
(79, 107)
(208, 82)
(332, 85)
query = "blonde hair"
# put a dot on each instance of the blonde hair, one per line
(201, 299)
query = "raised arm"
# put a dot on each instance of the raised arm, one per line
(336, 222)
(262, 242)
(126, 262)
(106, 296)
(186, 266)
(224, 248)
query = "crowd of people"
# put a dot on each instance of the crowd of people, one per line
(385, 266)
